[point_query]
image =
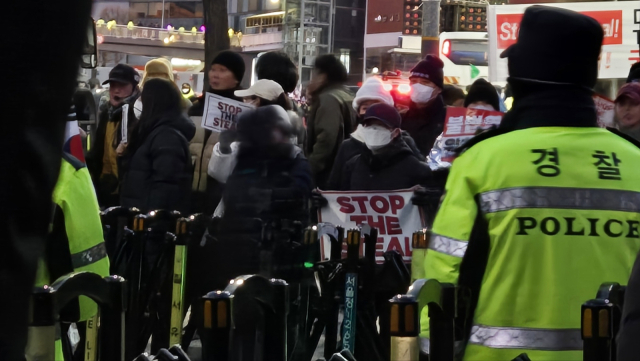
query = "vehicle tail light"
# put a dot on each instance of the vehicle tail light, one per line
(446, 48)
(404, 89)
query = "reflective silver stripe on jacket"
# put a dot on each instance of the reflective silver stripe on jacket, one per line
(89, 256)
(452, 247)
(560, 198)
(526, 338)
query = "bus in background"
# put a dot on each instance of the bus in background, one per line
(465, 57)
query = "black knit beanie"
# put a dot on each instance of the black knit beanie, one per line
(430, 68)
(482, 91)
(232, 61)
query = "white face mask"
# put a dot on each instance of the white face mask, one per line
(375, 136)
(137, 108)
(421, 93)
(482, 107)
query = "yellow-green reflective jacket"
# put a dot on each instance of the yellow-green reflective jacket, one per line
(541, 217)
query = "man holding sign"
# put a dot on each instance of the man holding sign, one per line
(225, 74)
(388, 173)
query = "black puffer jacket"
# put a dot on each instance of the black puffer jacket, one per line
(271, 183)
(426, 124)
(157, 175)
(355, 146)
(395, 167)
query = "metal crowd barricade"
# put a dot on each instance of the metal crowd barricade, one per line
(420, 243)
(175, 353)
(247, 321)
(47, 301)
(600, 320)
(404, 326)
(157, 303)
(149, 270)
(216, 325)
(117, 224)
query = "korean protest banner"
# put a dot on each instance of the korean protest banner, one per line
(222, 113)
(391, 212)
(462, 124)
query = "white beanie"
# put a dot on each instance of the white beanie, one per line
(372, 89)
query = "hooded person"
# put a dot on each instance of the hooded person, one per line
(424, 120)
(261, 94)
(116, 121)
(482, 95)
(271, 182)
(627, 107)
(278, 66)
(225, 74)
(157, 163)
(331, 117)
(372, 92)
(388, 163)
(272, 178)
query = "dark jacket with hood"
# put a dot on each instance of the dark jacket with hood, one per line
(425, 124)
(355, 146)
(207, 192)
(157, 175)
(393, 167)
(331, 120)
(269, 182)
(105, 186)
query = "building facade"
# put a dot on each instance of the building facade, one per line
(304, 29)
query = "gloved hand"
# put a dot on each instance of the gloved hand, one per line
(318, 200)
(226, 138)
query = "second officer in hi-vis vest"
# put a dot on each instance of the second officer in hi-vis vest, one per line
(538, 213)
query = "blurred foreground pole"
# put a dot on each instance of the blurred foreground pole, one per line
(430, 27)
(39, 61)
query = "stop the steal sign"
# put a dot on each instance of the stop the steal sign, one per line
(222, 113)
(508, 26)
(391, 212)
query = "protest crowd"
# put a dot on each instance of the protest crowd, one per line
(530, 209)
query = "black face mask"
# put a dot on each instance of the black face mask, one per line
(359, 119)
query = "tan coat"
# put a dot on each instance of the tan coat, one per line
(199, 157)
